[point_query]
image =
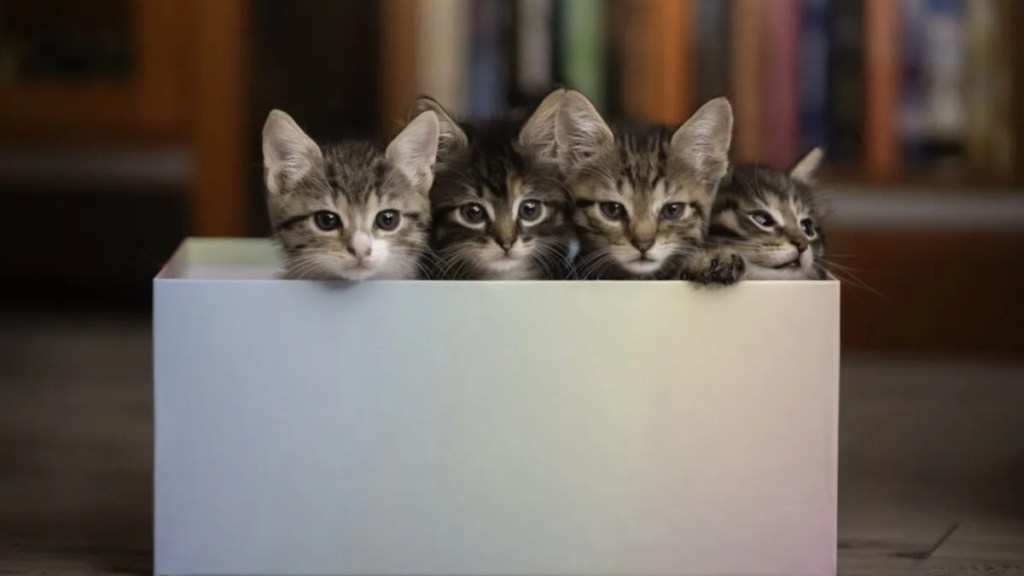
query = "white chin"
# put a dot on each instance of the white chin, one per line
(505, 265)
(642, 266)
(356, 274)
(755, 272)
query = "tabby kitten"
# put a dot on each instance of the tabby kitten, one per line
(772, 219)
(352, 211)
(644, 195)
(500, 208)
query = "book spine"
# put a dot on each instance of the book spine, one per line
(399, 76)
(747, 23)
(442, 52)
(781, 83)
(584, 47)
(712, 39)
(671, 49)
(847, 94)
(813, 71)
(882, 40)
(913, 81)
(534, 46)
(486, 76)
(944, 60)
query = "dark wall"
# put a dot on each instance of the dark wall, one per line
(318, 60)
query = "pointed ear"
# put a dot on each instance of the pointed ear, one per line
(451, 138)
(538, 134)
(414, 151)
(807, 167)
(580, 133)
(288, 154)
(702, 142)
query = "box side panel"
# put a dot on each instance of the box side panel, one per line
(531, 429)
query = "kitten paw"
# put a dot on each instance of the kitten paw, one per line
(724, 268)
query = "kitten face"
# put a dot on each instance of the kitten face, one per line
(772, 220)
(643, 196)
(500, 209)
(352, 211)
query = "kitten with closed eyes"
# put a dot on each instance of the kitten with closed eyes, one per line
(773, 220)
(500, 208)
(352, 211)
(644, 194)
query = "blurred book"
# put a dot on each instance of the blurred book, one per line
(934, 113)
(583, 47)
(814, 53)
(747, 27)
(780, 88)
(488, 62)
(882, 76)
(883, 85)
(534, 47)
(671, 49)
(442, 42)
(712, 50)
(989, 133)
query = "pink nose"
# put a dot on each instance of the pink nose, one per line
(360, 251)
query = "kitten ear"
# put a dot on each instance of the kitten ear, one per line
(414, 151)
(452, 139)
(288, 153)
(580, 133)
(702, 142)
(806, 168)
(538, 134)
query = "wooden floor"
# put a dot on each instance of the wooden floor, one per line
(931, 482)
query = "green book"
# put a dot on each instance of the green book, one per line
(583, 48)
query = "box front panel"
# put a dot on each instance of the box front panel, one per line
(495, 428)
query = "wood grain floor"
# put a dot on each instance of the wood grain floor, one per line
(931, 481)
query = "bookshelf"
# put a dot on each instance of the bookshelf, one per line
(920, 93)
(91, 79)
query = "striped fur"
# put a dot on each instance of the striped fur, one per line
(644, 194)
(505, 171)
(791, 246)
(355, 182)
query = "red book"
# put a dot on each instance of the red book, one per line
(882, 41)
(780, 140)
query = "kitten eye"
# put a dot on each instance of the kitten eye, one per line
(762, 218)
(530, 210)
(326, 220)
(807, 225)
(613, 210)
(673, 211)
(473, 213)
(388, 220)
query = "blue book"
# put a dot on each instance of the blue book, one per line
(913, 80)
(813, 55)
(487, 74)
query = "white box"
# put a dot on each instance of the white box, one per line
(490, 428)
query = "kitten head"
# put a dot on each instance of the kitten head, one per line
(352, 211)
(500, 208)
(643, 195)
(772, 219)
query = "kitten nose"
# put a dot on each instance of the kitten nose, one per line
(360, 252)
(643, 244)
(506, 245)
(801, 246)
(360, 245)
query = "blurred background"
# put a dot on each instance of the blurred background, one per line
(126, 125)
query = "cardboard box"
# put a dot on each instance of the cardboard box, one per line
(490, 428)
